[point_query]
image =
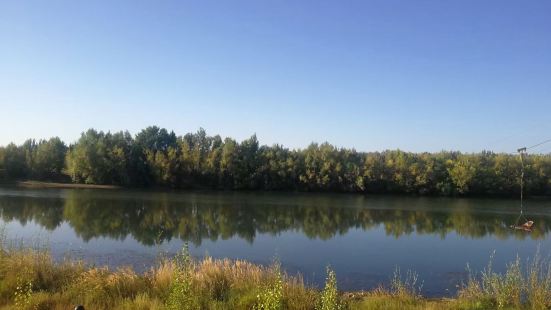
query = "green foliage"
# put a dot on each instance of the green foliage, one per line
(462, 172)
(44, 160)
(329, 299)
(505, 289)
(271, 295)
(181, 295)
(100, 158)
(516, 288)
(14, 162)
(49, 159)
(538, 283)
(23, 293)
(157, 157)
(383, 300)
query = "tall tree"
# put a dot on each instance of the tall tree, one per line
(49, 159)
(14, 162)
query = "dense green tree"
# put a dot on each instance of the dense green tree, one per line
(100, 158)
(319, 166)
(538, 178)
(213, 158)
(49, 159)
(42, 160)
(165, 166)
(462, 172)
(248, 164)
(228, 163)
(28, 148)
(14, 162)
(375, 174)
(153, 144)
(156, 139)
(277, 168)
(2, 169)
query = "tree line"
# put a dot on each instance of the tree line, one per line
(156, 157)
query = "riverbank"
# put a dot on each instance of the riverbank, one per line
(35, 184)
(39, 184)
(30, 279)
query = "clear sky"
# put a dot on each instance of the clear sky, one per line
(416, 75)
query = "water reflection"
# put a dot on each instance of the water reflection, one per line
(153, 217)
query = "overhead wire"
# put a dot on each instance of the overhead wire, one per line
(512, 134)
(546, 151)
(526, 148)
(538, 144)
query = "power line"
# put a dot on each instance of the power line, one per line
(524, 149)
(536, 145)
(518, 133)
(545, 151)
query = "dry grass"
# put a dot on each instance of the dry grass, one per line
(40, 283)
(216, 284)
(522, 286)
(385, 299)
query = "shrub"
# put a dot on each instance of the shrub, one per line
(271, 296)
(513, 289)
(407, 287)
(538, 283)
(181, 294)
(330, 296)
(23, 293)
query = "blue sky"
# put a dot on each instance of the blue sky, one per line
(374, 75)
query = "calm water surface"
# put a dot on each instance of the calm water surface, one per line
(364, 238)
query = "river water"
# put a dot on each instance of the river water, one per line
(363, 238)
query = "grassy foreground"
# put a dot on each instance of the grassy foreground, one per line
(30, 279)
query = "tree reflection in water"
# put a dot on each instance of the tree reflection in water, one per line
(153, 217)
